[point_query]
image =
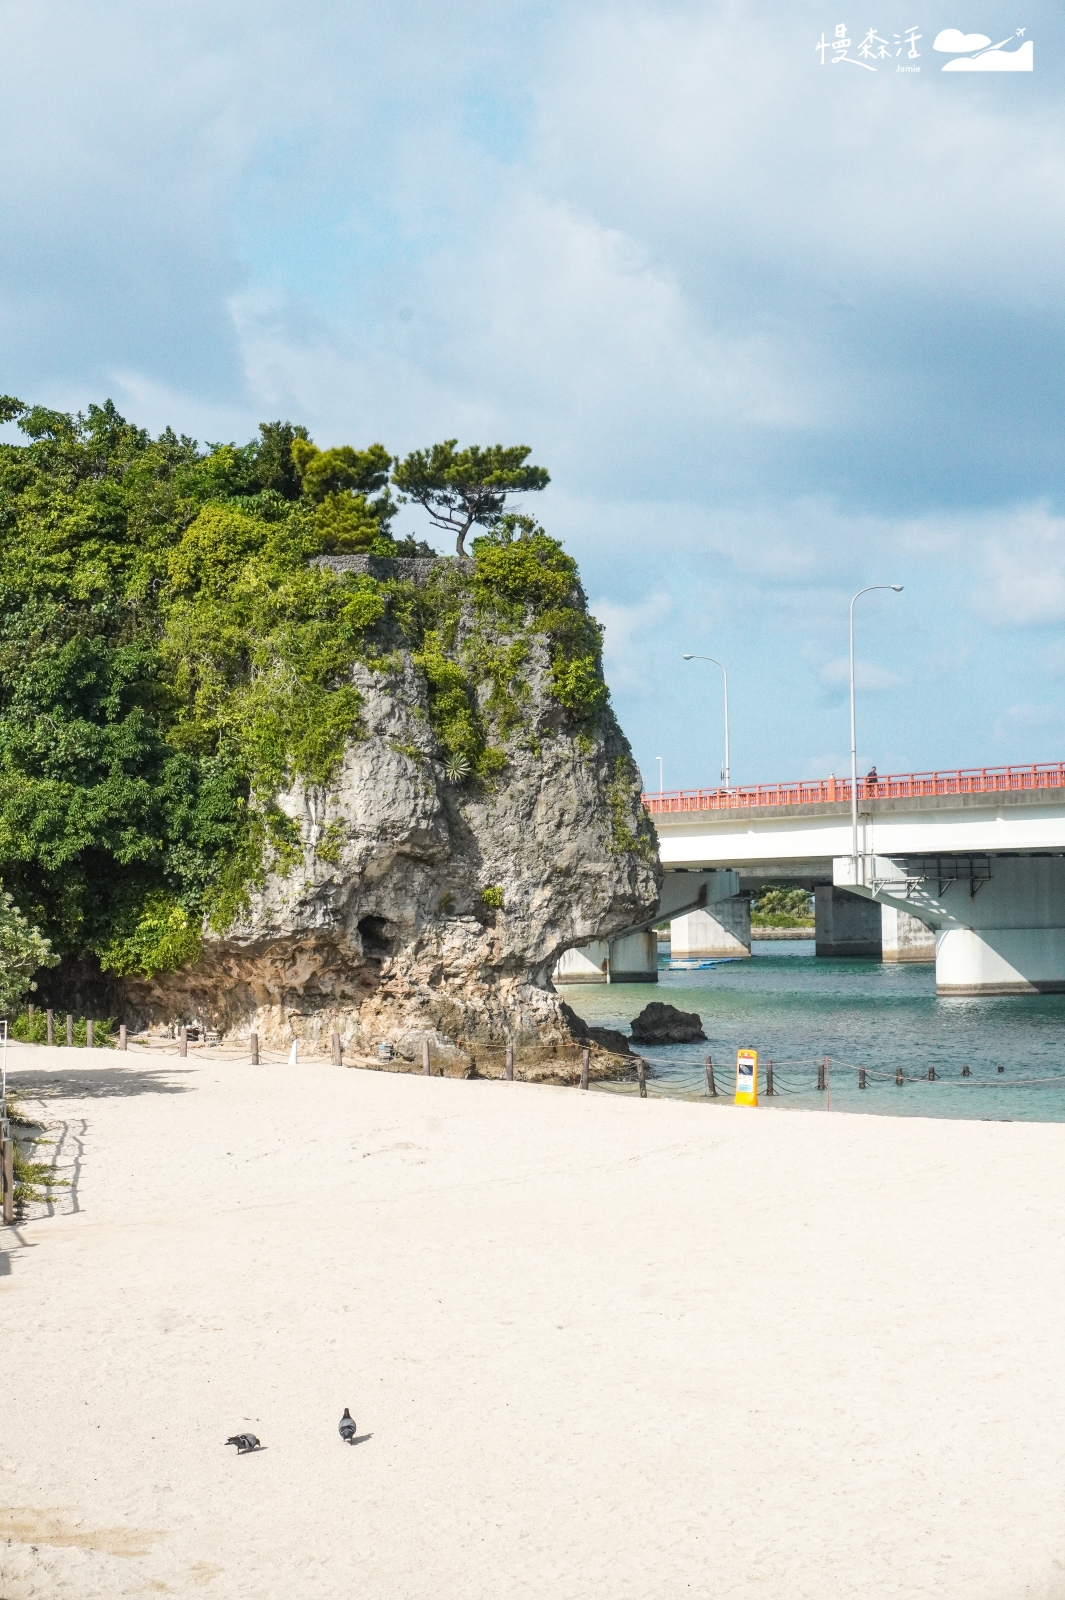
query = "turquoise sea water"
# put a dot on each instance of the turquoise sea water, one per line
(796, 1009)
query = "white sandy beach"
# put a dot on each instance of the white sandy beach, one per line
(600, 1347)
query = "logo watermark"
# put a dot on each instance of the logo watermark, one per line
(974, 52)
(969, 52)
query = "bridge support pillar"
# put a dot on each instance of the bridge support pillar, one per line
(634, 957)
(724, 931)
(999, 920)
(846, 925)
(588, 964)
(904, 937)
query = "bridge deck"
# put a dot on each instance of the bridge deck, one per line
(772, 841)
(897, 786)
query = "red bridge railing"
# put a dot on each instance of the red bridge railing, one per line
(899, 785)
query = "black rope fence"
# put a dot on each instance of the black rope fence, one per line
(802, 1076)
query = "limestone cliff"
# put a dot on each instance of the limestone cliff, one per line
(424, 900)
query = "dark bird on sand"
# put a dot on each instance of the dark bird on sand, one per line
(347, 1427)
(244, 1442)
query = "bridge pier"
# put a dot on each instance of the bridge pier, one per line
(631, 959)
(723, 932)
(999, 920)
(904, 937)
(845, 925)
(634, 957)
(589, 963)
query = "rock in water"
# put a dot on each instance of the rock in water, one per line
(610, 1039)
(422, 900)
(662, 1024)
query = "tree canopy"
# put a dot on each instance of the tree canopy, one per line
(459, 488)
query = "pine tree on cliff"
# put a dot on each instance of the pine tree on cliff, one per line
(461, 488)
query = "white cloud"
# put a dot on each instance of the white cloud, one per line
(697, 145)
(1022, 568)
(1026, 716)
(626, 641)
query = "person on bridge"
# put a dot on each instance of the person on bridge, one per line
(872, 778)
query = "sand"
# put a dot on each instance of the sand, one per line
(595, 1346)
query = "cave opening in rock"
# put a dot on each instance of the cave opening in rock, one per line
(375, 942)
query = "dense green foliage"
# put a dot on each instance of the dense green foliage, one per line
(32, 1028)
(23, 949)
(782, 906)
(171, 658)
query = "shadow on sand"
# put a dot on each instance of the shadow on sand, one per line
(95, 1083)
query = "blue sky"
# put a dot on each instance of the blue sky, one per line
(776, 329)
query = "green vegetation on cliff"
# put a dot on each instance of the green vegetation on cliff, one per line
(171, 657)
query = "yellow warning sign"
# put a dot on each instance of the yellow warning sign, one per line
(746, 1077)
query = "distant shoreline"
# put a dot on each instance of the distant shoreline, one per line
(768, 933)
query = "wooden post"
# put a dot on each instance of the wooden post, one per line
(898, 1075)
(183, 1047)
(641, 1074)
(820, 1074)
(338, 1049)
(88, 1033)
(931, 1074)
(122, 1036)
(510, 1063)
(769, 1078)
(1002, 1069)
(426, 1068)
(30, 1009)
(711, 1086)
(7, 1153)
(861, 1077)
(70, 1031)
(965, 1072)
(254, 1043)
(585, 1058)
(49, 1024)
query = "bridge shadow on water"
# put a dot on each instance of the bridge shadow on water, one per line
(796, 1010)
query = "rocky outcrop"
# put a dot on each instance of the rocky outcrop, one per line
(659, 1023)
(424, 905)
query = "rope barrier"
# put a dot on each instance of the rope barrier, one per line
(797, 1077)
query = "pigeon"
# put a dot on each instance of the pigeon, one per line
(347, 1427)
(244, 1442)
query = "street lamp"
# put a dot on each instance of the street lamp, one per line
(897, 588)
(661, 784)
(720, 664)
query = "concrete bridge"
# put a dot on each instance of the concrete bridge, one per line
(966, 868)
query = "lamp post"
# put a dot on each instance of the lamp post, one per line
(661, 784)
(720, 664)
(897, 588)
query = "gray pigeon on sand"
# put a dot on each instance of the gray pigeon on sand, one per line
(347, 1427)
(244, 1442)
